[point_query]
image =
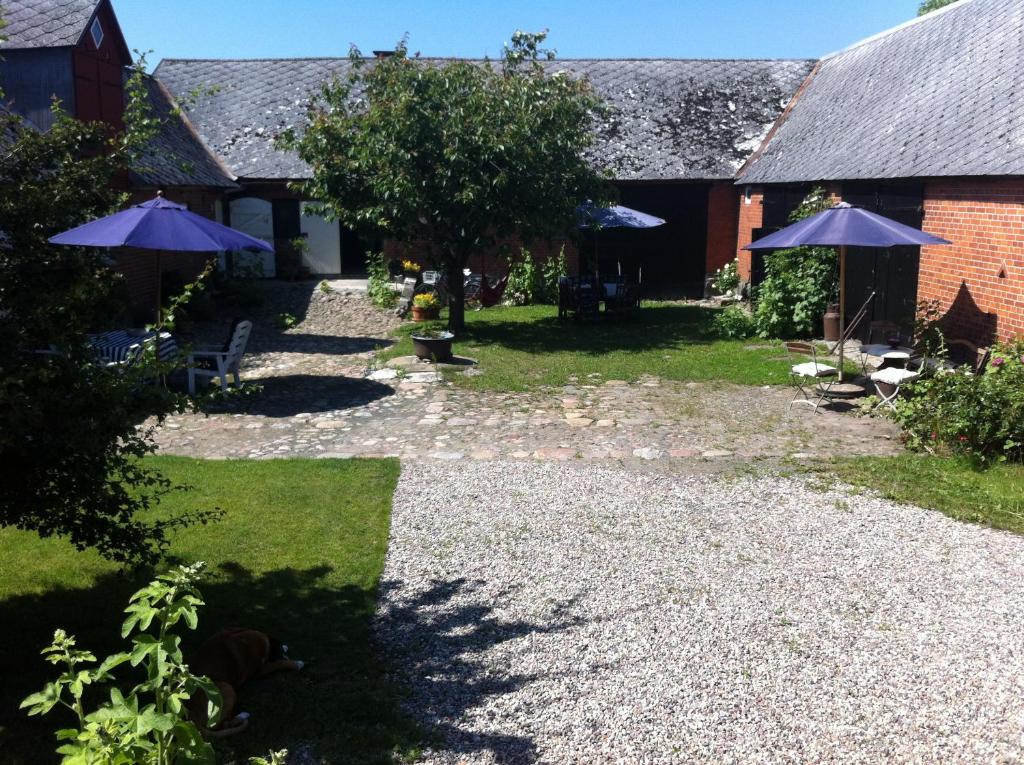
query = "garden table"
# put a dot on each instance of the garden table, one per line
(116, 346)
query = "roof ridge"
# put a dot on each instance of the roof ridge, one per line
(259, 59)
(899, 28)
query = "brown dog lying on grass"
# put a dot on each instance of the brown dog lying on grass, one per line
(231, 658)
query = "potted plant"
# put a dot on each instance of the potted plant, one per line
(433, 345)
(425, 307)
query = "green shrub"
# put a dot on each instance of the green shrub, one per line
(799, 283)
(285, 321)
(727, 278)
(523, 286)
(530, 283)
(734, 323)
(379, 284)
(957, 412)
(147, 723)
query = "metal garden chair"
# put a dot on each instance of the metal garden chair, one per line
(812, 380)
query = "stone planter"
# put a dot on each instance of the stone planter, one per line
(425, 314)
(437, 346)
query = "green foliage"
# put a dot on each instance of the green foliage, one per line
(453, 156)
(523, 287)
(69, 435)
(734, 323)
(927, 6)
(799, 283)
(550, 270)
(324, 286)
(272, 758)
(978, 416)
(530, 283)
(285, 320)
(727, 278)
(379, 283)
(150, 723)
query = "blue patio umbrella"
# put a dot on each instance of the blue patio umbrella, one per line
(616, 216)
(845, 226)
(160, 225)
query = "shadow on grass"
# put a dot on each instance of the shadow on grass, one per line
(288, 395)
(651, 328)
(436, 646)
(340, 708)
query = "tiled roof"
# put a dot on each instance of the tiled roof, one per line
(670, 119)
(176, 157)
(44, 23)
(940, 96)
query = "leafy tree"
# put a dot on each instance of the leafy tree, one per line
(69, 437)
(453, 156)
(799, 283)
(927, 6)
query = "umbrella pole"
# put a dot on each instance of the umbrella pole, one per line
(159, 289)
(842, 308)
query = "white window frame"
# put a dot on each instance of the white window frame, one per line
(96, 31)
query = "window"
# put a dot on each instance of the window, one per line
(96, 30)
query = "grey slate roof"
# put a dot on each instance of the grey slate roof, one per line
(940, 96)
(670, 119)
(176, 156)
(44, 23)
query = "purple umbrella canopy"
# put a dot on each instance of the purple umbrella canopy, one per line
(160, 225)
(616, 216)
(846, 225)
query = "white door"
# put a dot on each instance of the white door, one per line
(323, 256)
(254, 216)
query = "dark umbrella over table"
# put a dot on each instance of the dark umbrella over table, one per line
(845, 226)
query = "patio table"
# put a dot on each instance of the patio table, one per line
(890, 356)
(116, 346)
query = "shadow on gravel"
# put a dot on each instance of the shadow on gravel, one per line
(288, 395)
(434, 643)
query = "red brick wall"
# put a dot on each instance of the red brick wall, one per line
(979, 279)
(750, 217)
(140, 266)
(723, 218)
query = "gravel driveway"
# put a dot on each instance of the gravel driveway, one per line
(567, 613)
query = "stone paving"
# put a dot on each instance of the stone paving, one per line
(337, 403)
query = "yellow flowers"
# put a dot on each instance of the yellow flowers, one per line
(411, 267)
(426, 300)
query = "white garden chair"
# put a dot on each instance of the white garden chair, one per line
(213, 363)
(888, 382)
(811, 380)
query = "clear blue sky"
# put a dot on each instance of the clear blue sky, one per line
(578, 28)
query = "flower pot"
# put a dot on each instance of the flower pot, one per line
(425, 314)
(435, 347)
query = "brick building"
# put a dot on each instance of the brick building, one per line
(676, 133)
(74, 51)
(923, 123)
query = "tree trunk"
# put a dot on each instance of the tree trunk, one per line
(456, 298)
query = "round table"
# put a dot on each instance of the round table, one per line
(890, 356)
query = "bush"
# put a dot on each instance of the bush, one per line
(379, 285)
(799, 283)
(147, 723)
(734, 323)
(727, 278)
(957, 412)
(529, 283)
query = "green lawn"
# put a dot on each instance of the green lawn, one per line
(524, 347)
(992, 497)
(299, 555)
